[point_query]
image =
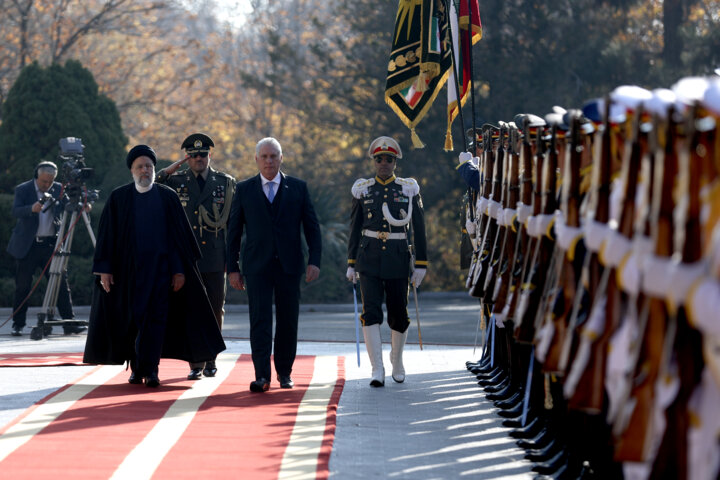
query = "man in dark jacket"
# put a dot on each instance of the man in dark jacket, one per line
(145, 259)
(33, 241)
(271, 208)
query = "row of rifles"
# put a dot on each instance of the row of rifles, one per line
(597, 266)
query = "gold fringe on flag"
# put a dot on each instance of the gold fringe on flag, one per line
(448, 141)
(417, 143)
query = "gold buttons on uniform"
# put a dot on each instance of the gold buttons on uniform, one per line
(195, 227)
(383, 247)
(203, 242)
(384, 196)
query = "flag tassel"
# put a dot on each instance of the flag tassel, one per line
(448, 141)
(417, 143)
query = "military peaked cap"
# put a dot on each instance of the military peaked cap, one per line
(384, 146)
(140, 151)
(197, 143)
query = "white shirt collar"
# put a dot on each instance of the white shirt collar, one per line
(275, 180)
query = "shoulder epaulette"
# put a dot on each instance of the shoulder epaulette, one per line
(361, 185)
(409, 186)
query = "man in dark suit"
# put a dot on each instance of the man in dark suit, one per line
(33, 241)
(271, 208)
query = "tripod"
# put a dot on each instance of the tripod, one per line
(58, 267)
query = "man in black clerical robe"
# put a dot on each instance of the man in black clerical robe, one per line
(145, 258)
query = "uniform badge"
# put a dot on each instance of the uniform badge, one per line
(369, 214)
(197, 144)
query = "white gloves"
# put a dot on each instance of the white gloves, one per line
(464, 157)
(350, 274)
(417, 276)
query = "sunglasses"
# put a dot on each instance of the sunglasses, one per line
(198, 154)
(387, 158)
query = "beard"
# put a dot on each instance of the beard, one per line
(143, 181)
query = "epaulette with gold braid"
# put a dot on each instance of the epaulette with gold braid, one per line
(361, 186)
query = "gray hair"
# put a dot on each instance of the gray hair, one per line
(268, 140)
(47, 167)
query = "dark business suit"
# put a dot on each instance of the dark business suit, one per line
(32, 252)
(272, 262)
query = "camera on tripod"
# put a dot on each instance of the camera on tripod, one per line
(75, 172)
(76, 198)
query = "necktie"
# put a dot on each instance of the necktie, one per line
(201, 182)
(271, 191)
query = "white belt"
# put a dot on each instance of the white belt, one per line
(384, 235)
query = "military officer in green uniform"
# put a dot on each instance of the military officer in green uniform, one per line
(206, 195)
(386, 251)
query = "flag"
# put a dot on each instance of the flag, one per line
(463, 50)
(420, 60)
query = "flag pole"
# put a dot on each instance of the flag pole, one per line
(455, 75)
(470, 45)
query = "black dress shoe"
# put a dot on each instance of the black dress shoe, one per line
(285, 381)
(513, 412)
(210, 369)
(75, 329)
(509, 403)
(541, 440)
(195, 374)
(152, 380)
(16, 331)
(500, 388)
(528, 431)
(135, 379)
(544, 454)
(260, 385)
(552, 465)
(496, 380)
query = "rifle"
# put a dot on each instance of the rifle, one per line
(480, 216)
(511, 238)
(544, 205)
(500, 198)
(671, 459)
(589, 368)
(522, 245)
(570, 267)
(490, 227)
(633, 425)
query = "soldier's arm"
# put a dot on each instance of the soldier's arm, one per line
(419, 239)
(356, 222)
(162, 175)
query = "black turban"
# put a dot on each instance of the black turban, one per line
(140, 151)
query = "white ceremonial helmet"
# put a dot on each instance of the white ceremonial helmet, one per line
(384, 146)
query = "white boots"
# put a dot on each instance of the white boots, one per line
(396, 355)
(373, 342)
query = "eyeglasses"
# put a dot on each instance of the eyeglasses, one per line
(387, 158)
(198, 154)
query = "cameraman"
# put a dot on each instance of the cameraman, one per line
(33, 241)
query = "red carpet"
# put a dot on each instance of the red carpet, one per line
(40, 359)
(101, 426)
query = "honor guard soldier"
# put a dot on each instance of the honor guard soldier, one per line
(386, 250)
(206, 195)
